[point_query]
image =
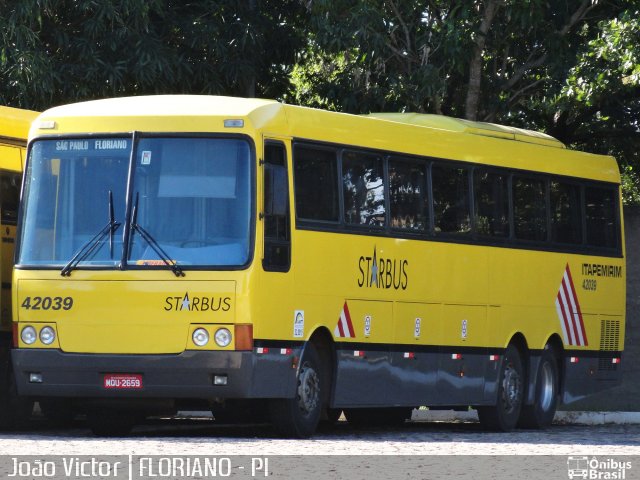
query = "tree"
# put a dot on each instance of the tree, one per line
(55, 52)
(523, 63)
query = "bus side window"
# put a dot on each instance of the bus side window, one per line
(277, 240)
(10, 196)
(566, 218)
(600, 212)
(363, 187)
(408, 200)
(316, 184)
(491, 203)
(451, 199)
(529, 208)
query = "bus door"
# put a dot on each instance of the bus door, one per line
(10, 180)
(276, 306)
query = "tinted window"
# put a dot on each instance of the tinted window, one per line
(362, 179)
(316, 184)
(601, 216)
(9, 197)
(529, 209)
(451, 199)
(566, 218)
(277, 246)
(491, 203)
(407, 195)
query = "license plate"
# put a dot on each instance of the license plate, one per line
(122, 381)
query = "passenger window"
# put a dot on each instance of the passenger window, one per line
(451, 212)
(491, 191)
(601, 216)
(529, 209)
(566, 216)
(9, 197)
(363, 186)
(407, 195)
(316, 184)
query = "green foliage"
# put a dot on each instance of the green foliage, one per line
(570, 68)
(56, 51)
(630, 186)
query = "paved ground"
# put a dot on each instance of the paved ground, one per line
(190, 437)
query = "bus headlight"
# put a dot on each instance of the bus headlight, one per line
(28, 335)
(223, 337)
(47, 335)
(200, 337)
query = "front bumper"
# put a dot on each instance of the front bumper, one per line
(186, 375)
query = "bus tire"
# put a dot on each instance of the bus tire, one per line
(505, 414)
(15, 411)
(298, 417)
(541, 413)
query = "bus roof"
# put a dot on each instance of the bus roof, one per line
(452, 124)
(15, 123)
(409, 133)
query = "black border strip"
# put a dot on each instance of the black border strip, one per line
(341, 226)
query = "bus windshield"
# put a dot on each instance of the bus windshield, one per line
(191, 196)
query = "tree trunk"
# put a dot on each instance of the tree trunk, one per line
(475, 66)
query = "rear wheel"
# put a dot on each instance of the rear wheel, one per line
(504, 415)
(298, 417)
(541, 413)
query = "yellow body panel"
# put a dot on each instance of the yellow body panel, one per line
(464, 295)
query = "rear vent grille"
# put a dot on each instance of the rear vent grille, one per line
(609, 340)
(609, 335)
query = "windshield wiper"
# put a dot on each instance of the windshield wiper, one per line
(175, 268)
(92, 245)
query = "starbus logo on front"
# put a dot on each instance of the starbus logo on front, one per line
(597, 469)
(195, 303)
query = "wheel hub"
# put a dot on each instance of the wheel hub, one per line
(308, 389)
(511, 388)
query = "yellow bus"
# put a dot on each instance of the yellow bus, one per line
(14, 130)
(182, 252)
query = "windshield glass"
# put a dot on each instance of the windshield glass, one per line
(66, 196)
(190, 196)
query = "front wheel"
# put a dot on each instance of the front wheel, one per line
(504, 415)
(298, 417)
(541, 413)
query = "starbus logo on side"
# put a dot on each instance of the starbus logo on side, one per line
(383, 272)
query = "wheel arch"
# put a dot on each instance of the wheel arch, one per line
(323, 342)
(555, 342)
